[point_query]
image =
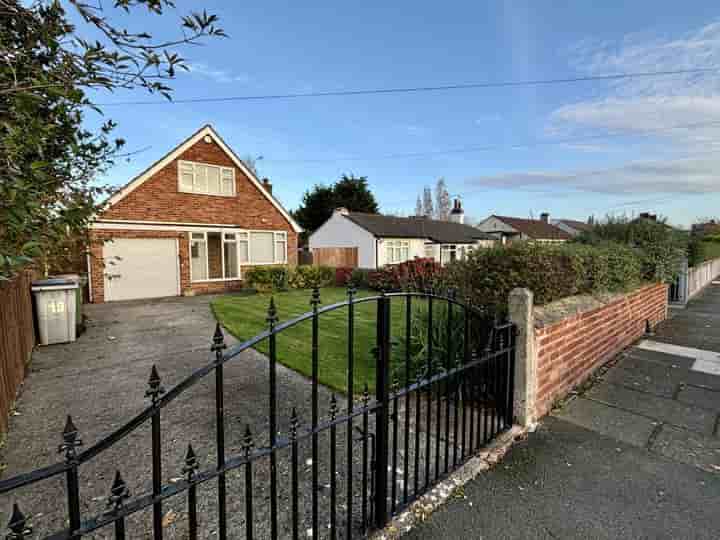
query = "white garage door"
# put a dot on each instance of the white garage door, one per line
(141, 268)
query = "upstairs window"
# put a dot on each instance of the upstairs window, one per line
(205, 179)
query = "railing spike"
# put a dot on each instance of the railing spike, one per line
(315, 298)
(218, 339)
(70, 440)
(118, 492)
(247, 442)
(293, 424)
(18, 524)
(351, 291)
(272, 317)
(191, 463)
(333, 407)
(366, 394)
(154, 385)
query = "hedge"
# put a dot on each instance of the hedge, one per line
(550, 271)
(280, 278)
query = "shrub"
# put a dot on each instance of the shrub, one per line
(267, 278)
(307, 277)
(703, 249)
(550, 271)
(360, 278)
(417, 274)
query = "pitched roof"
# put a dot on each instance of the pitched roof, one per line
(535, 228)
(577, 225)
(179, 149)
(444, 232)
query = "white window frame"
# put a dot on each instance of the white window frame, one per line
(223, 172)
(397, 247)
(241, 235)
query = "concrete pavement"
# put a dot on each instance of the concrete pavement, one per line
(635, 455)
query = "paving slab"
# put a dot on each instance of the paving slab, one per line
(661, 384)
(567, 482)
(623, 425)
(700, 397)
(691, 448)
(645, 359)
(660, 409)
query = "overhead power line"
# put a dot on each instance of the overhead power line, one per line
(517, 146)
(416, 89)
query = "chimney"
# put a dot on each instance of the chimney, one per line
(267, 185)
(545, 217)
(457, 215)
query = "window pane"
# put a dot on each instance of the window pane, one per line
(280, 251)
(200, 179)
(243, 255)
(198, 236)
(229, 236)
(213, 177)
(228, 182)
(262, 247)
(231, 261)
(214, 247)
(198, 256)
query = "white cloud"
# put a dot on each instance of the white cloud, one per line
(200, 69)
(689, 175)
(648, 103)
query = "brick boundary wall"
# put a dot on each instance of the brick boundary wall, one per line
(570, 350)
(561, 344)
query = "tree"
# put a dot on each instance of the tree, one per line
(418, 207)
(48, 189)
(442, 201)
(428, 210)
(318, 204)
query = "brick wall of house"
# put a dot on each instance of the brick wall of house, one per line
(158, 199)
(569, 351)
(97, 265)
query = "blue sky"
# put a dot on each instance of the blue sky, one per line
(278, 47)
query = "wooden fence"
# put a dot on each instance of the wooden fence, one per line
(340, 257)
(17, 338)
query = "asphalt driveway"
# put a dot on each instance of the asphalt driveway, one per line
(101, 381)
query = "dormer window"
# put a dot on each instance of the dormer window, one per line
(205, 179)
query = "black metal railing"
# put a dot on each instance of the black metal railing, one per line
(433, 408)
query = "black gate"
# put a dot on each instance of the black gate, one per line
(443, 388)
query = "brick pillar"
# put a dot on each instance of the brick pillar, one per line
(520, 307)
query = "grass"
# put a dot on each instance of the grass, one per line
(244, 317)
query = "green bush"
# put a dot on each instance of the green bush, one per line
(703, 249)
(267, 278)
(551, 271)
(661, 247)
(307, 277)
(360, 278)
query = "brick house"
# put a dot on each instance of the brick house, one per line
(191, 223)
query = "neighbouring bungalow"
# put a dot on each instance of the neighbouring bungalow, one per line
(572, 226)
(381, 240)
(511, 229)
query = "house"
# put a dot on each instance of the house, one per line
(708, 228)
(382, 240)
(509, 229)
(191, 223)
(572, 226)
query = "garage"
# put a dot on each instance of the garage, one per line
(141, 268)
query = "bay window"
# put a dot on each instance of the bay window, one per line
(219, 255)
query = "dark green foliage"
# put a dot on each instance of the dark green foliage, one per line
(662, 247)
(551, 271)
(318, 205)
(267, 278)
(703, 249)
(50, 162)
(308, 276)
(360, 278)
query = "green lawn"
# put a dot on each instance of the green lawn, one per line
(244, 317)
